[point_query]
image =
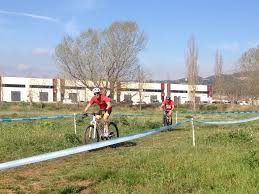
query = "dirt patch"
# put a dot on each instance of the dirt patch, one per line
(6, 191)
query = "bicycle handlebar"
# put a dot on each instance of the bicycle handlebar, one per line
(88, 114)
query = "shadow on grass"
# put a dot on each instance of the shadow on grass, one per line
(123, 144)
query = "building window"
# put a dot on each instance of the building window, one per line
(40, 86)
(74, 88)
(152, 90)
(15, 96)
(62, 96)
(177, 100)
(73, 97)
(44, 96)
(197, 99)
(179, 91)
(127, 97)
(153, 98)
(14, 85)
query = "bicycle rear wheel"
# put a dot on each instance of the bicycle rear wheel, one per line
(113, 130)
(165, 122)
(91, 135)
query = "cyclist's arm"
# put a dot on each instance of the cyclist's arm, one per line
(87, 107)
(162, 106)
(173, 106)
(109, 105)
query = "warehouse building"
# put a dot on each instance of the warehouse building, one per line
(16, 89)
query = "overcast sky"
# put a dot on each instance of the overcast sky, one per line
(30, 30)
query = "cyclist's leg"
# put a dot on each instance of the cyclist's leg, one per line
(170, 113)
(164, 118)
(98, 116)
(106, 116)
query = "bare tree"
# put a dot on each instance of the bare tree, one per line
(104, 57)
(142, 77)
(192, 69)
(249, 67)
(122, 42)
(219, 86)
(78, 58)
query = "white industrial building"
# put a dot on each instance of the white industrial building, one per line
(15, 89)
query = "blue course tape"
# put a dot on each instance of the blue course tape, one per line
(227, 122)
(36, 118)
(231, 112)
(75, 150)
(56, 117)
(79, 149)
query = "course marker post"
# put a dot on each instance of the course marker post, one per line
(193, 134)
(75, 122)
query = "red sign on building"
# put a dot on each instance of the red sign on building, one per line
(209, 91)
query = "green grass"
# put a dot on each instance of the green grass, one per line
(225, 159)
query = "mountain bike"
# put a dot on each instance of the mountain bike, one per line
(167, 120)
(96, 132)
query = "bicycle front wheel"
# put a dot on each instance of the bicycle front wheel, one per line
(165, 121)
(91, 135)
(113, 130)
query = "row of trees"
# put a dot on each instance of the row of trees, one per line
(243, 83)
(110, 56)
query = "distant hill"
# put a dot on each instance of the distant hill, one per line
(210, 80)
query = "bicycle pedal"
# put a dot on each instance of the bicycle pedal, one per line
(111, 134)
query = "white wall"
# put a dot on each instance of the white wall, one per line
(18, 81)
(35, 92)
(86, 94)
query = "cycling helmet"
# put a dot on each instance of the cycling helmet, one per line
(168, 98)
(96, 90)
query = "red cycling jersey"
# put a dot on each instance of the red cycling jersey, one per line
(102, 101)
(169, 104)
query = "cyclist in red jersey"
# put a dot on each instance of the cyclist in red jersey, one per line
(104, 103)
(168, 106)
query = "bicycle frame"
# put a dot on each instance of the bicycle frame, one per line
(94, 121)
(168, 118)
(96, 131)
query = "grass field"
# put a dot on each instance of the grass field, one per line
(225, 159)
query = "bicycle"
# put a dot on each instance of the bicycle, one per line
(96, 132)
(167, 120)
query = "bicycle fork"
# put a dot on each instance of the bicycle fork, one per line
(94, 132)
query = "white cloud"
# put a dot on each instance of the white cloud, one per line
(40, 17)
(23, 66)
(42, 51)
